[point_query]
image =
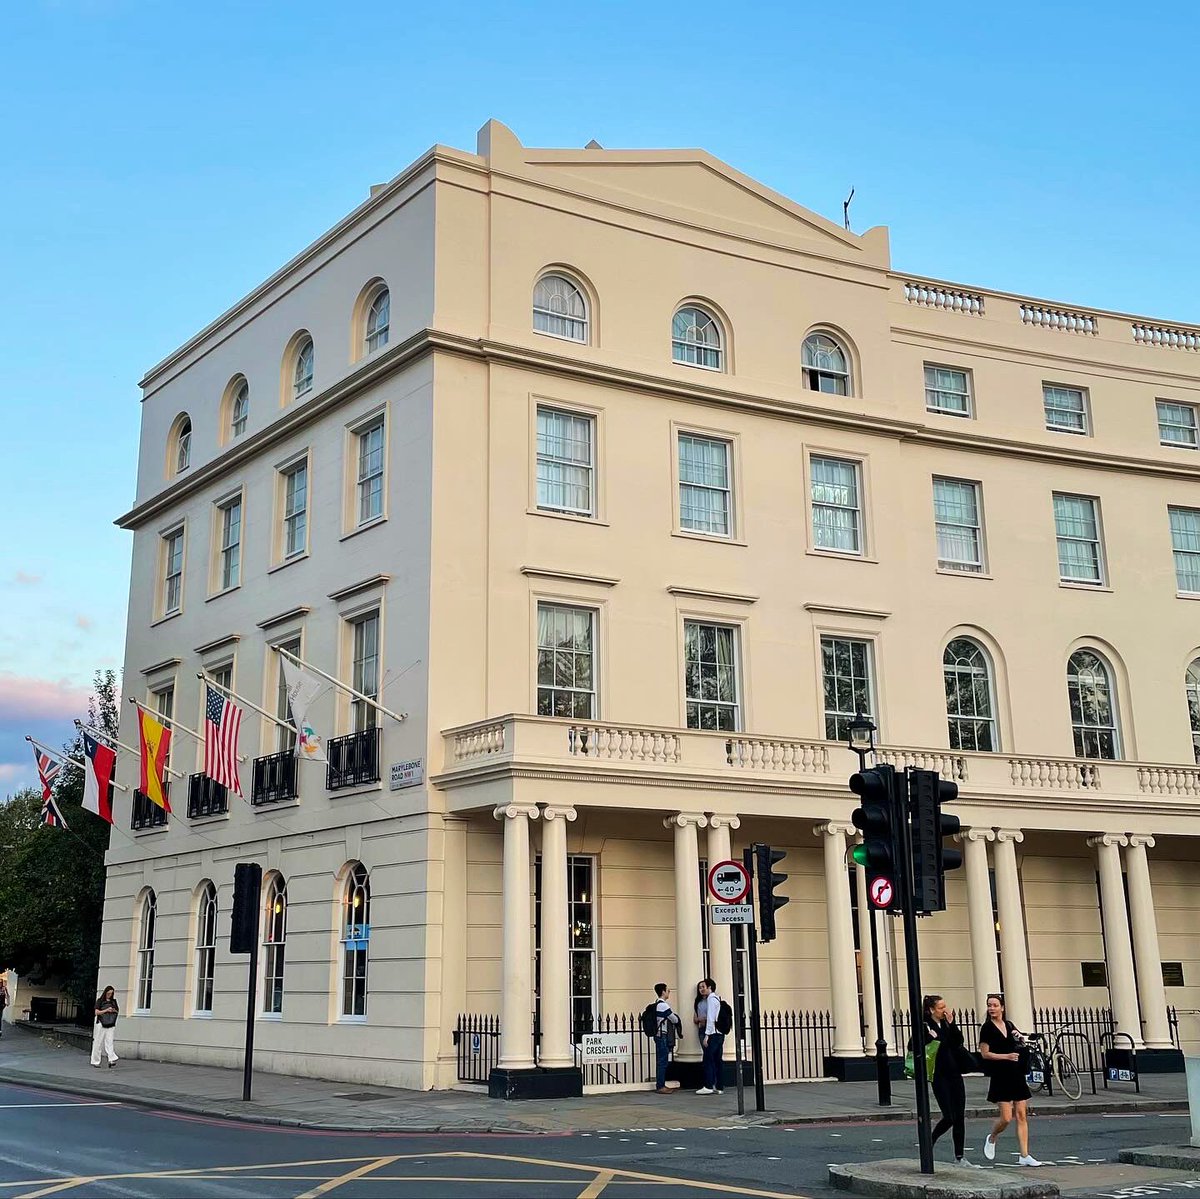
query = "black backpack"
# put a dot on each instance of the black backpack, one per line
(724, 1018)
(649, 1019)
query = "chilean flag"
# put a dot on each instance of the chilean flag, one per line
(97, 777)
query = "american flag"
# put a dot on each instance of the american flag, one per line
(51, 816)
(47, 769)
(222, 720)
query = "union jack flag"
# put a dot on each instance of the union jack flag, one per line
(222, 721)
(48, 770)
(52, 816)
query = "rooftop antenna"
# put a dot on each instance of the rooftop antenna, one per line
(846, 209)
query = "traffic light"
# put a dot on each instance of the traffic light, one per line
(768, 879)
(878, 819)
(931, 857)
(247, 887)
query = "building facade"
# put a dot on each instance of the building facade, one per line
(621, 483)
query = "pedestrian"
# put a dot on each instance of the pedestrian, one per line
(667, 1028)
(700, 1011)
(718, 1020)
(948, 1068)
(107, 1010)
(3, 1002)
(1000, 1047)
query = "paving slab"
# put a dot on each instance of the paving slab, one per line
(1165, 1157)
(901, 1178)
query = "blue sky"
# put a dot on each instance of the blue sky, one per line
(160, 159)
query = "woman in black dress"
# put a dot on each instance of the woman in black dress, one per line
(1000, 1048)
(947, 1079)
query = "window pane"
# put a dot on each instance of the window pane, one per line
(846, 683)
(836, 513)
(566, 662)
(710, 676)
(705, 498)
(564, 461)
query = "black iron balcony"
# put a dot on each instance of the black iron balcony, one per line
(353, 760)
(274, 778)
(206, 797)
(146, 813)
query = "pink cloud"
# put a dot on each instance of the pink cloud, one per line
(40, 699)
(24, 579)
(84, 622)
(10, 771)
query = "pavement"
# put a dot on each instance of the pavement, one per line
(61, 1064)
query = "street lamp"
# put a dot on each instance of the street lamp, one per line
(860, 739)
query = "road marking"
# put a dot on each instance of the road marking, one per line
(89, 1103)
(349, 1176)
(593, 1188)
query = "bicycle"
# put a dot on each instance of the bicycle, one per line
(1052, 1061)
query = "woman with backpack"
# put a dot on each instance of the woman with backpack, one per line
(947, 1078)
(1000, 1047)
(107, 1011)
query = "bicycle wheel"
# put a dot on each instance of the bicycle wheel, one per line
(1038, 1069)
(1068, 1076)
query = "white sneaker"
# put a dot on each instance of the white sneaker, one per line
(1028, 1160)
(719, 1091)
(989, 1148)
(963, 1161)
(706, 1091)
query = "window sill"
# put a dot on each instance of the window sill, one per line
(350, 792)
(287, 562)
(370, 524)
(1070, 432)
(141, 1011)
(163, 619)
(211, 818)
(841, 556)
(1067, 585)
(201, 1016)
(571, 341)
(949, 412)
(282, 806)
(577, 517)
(1177, 445)
(964, 574)
(149, 832)
(225, 591)
(1187, 595)
(351, 1020)
(277, 1017)
(711, 538)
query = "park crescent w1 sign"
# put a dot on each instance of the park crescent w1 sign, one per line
(729, 882)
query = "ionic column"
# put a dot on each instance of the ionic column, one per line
(516, 997)
(1118, 952)
(847, 1032)
(865, 915)
(556, 981)
(689, 943)
(1152, 995)
(1018, 996)
(720, 949)
(985, 971)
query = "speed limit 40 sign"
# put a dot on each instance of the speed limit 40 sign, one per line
(728, 882)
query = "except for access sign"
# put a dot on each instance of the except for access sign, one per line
(731, 913)
(729, 882)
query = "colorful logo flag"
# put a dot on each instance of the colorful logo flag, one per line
(52, 817)
(99, 764)
(302, 688)
(156, 743)
(222, 722)
(47, 769)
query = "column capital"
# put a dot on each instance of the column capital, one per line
(834, 828)
(510, 811)
(1010, 834)
(558, 812)
(1108, 839)
(976, 834)
(1138, 840)
(683, 819)
(720, 820)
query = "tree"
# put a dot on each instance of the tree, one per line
(52, 879)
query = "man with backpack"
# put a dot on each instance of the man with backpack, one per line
(718, 1021)
(662, 1024)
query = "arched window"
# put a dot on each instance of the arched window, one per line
(970, 705)
(239, 410)
(1193, 702)
(696, 339)
(559, 308)
(183, 445)
(206, 947)
(379, 317)
(356, 935)
(274, 943)
(1093, 706)
(826, 365)
(302, 375)
(145, 953)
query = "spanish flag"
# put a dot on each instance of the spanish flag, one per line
(156, 742)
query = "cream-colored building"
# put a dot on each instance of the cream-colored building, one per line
(625, 481)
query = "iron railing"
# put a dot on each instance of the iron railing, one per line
(274, 778)
(477, 1046)
(206, 797)
(353, 759)
(145, 813)
(48, 1010)
(795, 1045)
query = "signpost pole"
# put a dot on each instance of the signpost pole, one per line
(882, 1069)
(739, 1016)
(251, 999)
(760, 1099)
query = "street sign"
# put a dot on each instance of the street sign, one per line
(731, 913)
(729, 882)
(605, 1046)
(881, 892)
(406, 774)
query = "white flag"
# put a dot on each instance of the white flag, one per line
(302, 688)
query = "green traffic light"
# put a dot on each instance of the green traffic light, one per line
(860, 855)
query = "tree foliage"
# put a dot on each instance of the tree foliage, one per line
(52, 879)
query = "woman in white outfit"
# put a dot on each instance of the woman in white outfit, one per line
(107, 1011)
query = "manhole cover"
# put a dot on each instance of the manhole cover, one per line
(362, 1096)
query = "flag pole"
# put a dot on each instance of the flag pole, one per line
(366, 699)
(200, 674)
(183, 728)
(54, 753)
(91, 728)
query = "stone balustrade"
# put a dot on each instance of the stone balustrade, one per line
(1168, 336)
(1065, 320)
(938, 295)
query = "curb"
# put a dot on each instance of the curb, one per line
(900, 1179)
(1164, 1157)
